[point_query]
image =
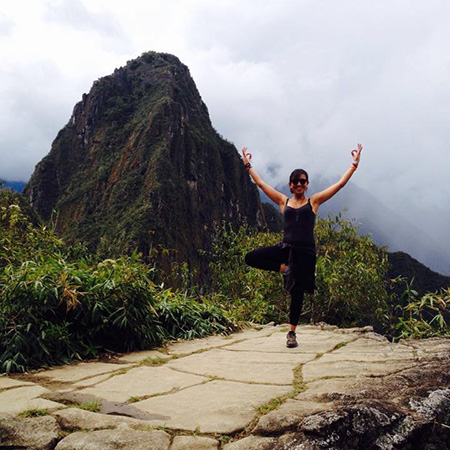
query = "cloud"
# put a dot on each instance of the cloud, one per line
(298, 82)
(74, 14)
(6, 26)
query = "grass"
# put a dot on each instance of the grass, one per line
(340, 345)
(89, 406)
(134, 399)
(34, 413)
(270, 405)
(155, 361)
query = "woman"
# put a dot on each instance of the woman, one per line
(295, 257)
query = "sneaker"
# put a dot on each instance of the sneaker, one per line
(291, 339)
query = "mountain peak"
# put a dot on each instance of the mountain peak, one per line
(140, 165)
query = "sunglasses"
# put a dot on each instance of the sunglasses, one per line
(302, 181)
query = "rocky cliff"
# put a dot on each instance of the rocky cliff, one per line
(139, 165)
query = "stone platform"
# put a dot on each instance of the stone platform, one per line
(244, 391)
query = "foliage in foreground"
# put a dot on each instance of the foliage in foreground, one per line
(421, 317)
(57, 304)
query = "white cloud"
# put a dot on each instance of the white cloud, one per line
(298, 82)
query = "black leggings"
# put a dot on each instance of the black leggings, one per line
(271, 258)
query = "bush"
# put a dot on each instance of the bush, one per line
(350, 275)
(421, 317)
(58, 305)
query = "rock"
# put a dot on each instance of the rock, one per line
(210, 407)
(115, 440)
(37, 433)
(142, 381)
(14, 401)
(288, 416)
(252, 443)
(194, 443)
(78, 419)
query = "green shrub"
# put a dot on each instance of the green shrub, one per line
(423, 317)
(350, 275)
(57, 305)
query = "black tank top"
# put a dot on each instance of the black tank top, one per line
(299, 226)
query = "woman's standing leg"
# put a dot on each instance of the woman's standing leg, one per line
(297, 295)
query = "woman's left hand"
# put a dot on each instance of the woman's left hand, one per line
(356, 154)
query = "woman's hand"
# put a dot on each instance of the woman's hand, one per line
(356, 154)
(246, 157)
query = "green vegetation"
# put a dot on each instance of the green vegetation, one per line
(89, 406)
(59, 303)
(422, 317)
(34, 413)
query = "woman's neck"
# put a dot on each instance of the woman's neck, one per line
(299, 197)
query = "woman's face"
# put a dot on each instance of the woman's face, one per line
(299, 184)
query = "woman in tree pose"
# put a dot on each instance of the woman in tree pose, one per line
(295, 257)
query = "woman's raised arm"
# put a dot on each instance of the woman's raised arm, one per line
(277, 197)
(326, 194)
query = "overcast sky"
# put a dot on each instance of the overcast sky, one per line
(298, 82)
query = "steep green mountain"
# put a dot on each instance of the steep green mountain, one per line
(139, 165)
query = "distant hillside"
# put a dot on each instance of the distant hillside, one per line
(16, 186)
(425, 280)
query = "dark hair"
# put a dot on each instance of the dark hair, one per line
(296, 174)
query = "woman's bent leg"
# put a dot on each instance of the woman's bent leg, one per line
(266, 258)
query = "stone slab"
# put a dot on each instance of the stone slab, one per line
(76, 372)
(6, 383)
(214, 407)
(92, 381)
(365, 346)
(311, 344)
(317, 369)
(137, 357)
(256, 367)
(288, 416)
(328, 389)
(115, 439)
(78, 419)
(427, 347)
(252, 443)
(207, 343)
(194, 443)
(142, 381)
(21, 399)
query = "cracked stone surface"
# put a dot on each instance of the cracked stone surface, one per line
(21, 399)
(142, 381)
(215, 407)
(194, 443)
(76, 372)
(249, 391)
(252, 367)
(117, 439)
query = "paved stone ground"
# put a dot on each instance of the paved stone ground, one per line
(219, 392)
